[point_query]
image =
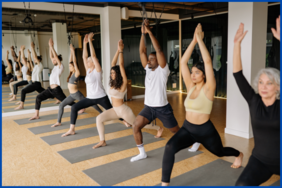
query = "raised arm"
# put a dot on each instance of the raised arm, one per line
(142, 48)
(276, 33)
(244, 86)
(77, 73)
(85, 53)
(93, 54)
(114, 61)
(7, 60)
(34, 55)
(14, 54)
(156, 45)
(19, 62)
(184, 60)
(30, 60)
(121, 65)
(240, 34)
(54, 53)
(23, 59)
(210, 79)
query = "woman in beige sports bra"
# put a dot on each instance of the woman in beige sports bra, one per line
(197, 127)
(118, 88)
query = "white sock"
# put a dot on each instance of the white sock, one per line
(142, 154)
(195, 147)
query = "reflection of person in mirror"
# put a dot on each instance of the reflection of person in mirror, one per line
(173, 57)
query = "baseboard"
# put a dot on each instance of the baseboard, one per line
(238, 133)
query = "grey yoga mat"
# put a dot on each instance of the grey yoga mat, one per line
(83, 153)
(13, 103)
(122, 170)
(42, 118)
(216, 173)
(277, 183)
(29, 107)
(83, 133)
(65, 125)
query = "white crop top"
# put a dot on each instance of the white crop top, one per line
(116, 94)
(94, 86)
(55, 74)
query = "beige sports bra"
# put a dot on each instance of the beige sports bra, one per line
(19, 73)
(201, 104)
(116, 94)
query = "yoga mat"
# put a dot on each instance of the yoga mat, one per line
(276, 183)
(122, 170)
(26, 102)
(83, 153)
(216, 173)
(5, 99)
(65, 125)
(42, 118)
(29, 107)
(84, 133)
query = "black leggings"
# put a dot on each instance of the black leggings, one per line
(50, 93)
(84, 103)
(187, 135)
(21, 83)
(7, 78)
(257, 172)
(34, 86)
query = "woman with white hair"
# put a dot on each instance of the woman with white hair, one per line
(264, 104)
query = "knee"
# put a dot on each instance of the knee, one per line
(74, 108)
(169, 148)
(23, 91)
(136, 127)
(38, 98)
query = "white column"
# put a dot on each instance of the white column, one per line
(110, 34)
(253, 52)
(61, 46)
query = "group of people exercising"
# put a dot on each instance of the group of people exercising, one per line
(263, 100)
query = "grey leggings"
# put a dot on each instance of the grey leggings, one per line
(71, 98)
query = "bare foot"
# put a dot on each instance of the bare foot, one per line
(159, 133)
(81, 111)
(56, 124)
(126, 124)
(34, 117)
(57, 102)
(12, 99)
(11, 96)
(165, 184)
(68, 133)
(238, 161)
(19, 102)
(19, 107)
(100, 144)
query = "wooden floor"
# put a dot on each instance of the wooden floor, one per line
(29, 161)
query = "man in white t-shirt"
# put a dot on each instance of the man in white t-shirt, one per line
(156, 104)
(54, 90)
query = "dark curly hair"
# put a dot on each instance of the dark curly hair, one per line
(118, 81)
(201, 66)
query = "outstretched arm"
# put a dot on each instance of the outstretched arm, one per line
(77, 73)
(276, 33)
(142, 48)
(210, 79)
(23, 57)
(7, 60)
(184, 60)
(240, 34)
(121, 64)
(34, 55)
(156, 45)
(114, 61)
(93, 54)
(85, 53)
(54, 53)
(30, 60)
(14, 54)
